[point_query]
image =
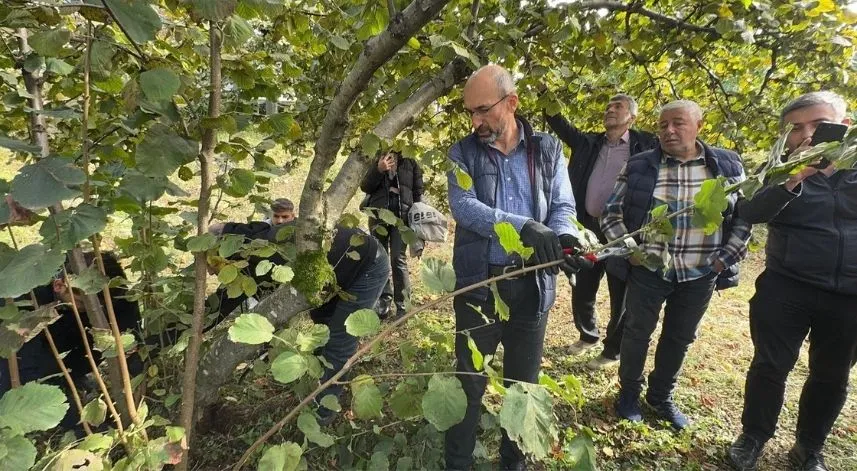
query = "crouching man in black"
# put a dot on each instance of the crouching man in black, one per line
(362, 278)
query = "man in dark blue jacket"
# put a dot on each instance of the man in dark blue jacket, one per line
(695, 262)
(809, 286)
(596, 161)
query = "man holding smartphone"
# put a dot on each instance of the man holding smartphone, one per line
(809, 286)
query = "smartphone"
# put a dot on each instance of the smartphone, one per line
(827, 132)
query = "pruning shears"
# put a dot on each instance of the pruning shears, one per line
(603, 253)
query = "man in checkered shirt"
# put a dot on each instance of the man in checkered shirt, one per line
(695, 265)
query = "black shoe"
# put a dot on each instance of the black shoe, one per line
(744, 453)
(806, 460)
(382, 307)
(667, 410)
(513, 466)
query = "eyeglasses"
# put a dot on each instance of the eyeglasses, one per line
(483, 110)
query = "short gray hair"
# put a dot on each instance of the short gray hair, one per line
(629, 100)
(695, 109)
(280, 205)
(823, 97)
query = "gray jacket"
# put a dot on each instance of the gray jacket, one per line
(812, 233)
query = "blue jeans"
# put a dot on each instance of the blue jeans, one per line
(366, 290)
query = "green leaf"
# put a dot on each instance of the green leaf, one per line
(366, 399)
(139, 19)
(363, 323)
(660, 227)
(46, 182)
(159, 84)
(20, 453)
(282, 274)
(58, 66)
(285, 457)
(73, 225)
(288, 367)
(101, 57)
(214, 10)
(162, 151)
(34, 62)
(96, 442)
(414, 43)
(580, 454)
(106, 343)
(19, 146)
(94, 412)
(379, 462)
(709, 204)
(331, 402)
(32, 266)
(241, 182)
(49, 43)
(500, 306)
(75, 459)
(236, 32)
(356, 240)
(251, 328)
(371, 144)
(406, 400)
(475, 354)
(309, 426)
(264, 267)
(437, 275)
(90, 281)
(32, 407)
(227, 274)
(463, 179)
(527, 416)
(510, 240)
(388, 217)
(24, 327)
(201, 243)
(343, 44)
(445, 403)
(317, 336)
(230, 244)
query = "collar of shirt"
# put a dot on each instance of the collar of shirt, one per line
(521, 140)
(623, 139)
(700, 155)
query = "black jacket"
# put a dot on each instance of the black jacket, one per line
(585, 147)
(812, 235)
(409, 178)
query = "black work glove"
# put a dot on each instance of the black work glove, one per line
(573, 262)
(545, 243)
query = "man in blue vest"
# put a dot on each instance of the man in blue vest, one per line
(695, 263)
(809, 287)
(519, 177)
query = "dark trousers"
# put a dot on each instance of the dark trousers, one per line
(523, 340)
(365, 291)
(782, 312)
(398, 251)
(684, 305)
(583, 302)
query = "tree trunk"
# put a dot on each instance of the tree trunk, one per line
(206, 156)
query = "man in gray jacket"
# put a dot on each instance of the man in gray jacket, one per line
(809, 286)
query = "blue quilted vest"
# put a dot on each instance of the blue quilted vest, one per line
(642, 172)
(470, 251)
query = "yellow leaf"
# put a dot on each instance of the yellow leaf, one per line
(724, 11)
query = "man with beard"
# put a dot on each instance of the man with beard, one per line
(519, 178)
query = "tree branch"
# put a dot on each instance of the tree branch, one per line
(124, 31)
(391, 9)
(378, 51)
(347, 181)
(474, 20)
(635, 7)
